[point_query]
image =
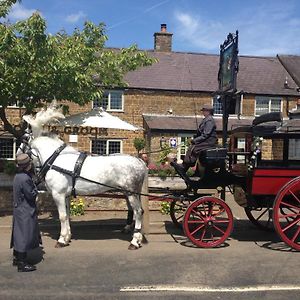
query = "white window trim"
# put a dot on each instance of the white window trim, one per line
(181, 135)
(107, 141)
(269, 99)
(109, 95)
(14, 148)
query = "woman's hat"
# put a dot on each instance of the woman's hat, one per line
(207, 107)
(23, 160)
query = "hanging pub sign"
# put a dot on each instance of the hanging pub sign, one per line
(229, 63)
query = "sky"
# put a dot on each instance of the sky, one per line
(266, 27)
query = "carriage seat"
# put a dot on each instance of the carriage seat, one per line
(213, 157)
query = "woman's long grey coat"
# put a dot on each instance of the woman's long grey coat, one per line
(25, 232)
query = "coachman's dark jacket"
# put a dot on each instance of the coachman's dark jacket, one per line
(25, 232)
(205, 138)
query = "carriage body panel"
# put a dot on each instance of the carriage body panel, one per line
(268, 181)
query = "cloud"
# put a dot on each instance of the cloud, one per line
(264, 30)
(19, 12)
(197, 31)
(73, 18)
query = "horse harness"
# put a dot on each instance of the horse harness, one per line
(49, 165)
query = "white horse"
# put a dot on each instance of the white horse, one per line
(99, 174)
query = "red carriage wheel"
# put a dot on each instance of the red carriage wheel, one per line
(177, 211)
(208, 222)
(286, 213)
(261, 217)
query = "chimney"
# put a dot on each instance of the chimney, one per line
(163, 39)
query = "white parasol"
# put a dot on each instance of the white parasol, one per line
(97, 118)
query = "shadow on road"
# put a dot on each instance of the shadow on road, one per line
(243, 231)
(89, 230)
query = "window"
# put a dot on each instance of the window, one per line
(182, 145)
(106, 147)
(294, 149)
(111, 101)
(217, 105)
(7, 148)
(233, 108)
(265, 105)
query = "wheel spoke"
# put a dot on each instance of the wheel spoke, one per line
(288, 215)
(197, 213)
(221, 221)
(217, 228)
(290, 205)
(195, 221)
(290, 225)
(296, 234)
(197, 229)
(267, 209)
(295, 196)
(203, 234)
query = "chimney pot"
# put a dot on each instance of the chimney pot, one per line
(163, 39)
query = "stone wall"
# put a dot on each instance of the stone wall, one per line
(45, 201)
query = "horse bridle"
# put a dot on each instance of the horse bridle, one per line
(42, 168)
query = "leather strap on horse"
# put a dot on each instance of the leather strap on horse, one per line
(48, 163)
(77, 170)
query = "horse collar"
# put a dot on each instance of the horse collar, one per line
(48, 163)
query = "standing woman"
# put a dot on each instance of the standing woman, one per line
(25, 231)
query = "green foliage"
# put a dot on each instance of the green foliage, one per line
(139, 144)
(163, 156)
(36, 67)
(165, 208)
(77, 207)
(5, 6)
(9, 167)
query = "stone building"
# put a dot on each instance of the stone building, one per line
(166, 98)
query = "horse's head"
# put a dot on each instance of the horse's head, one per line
(44, 116)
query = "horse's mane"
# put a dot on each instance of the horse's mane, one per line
(44, 116)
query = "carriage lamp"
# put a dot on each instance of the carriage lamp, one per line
(162, 142)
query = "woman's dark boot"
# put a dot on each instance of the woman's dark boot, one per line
(15, 258)
(23, 265)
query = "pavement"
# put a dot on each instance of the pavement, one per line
(97, 265)
(94, 219)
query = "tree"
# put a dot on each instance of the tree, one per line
(5, 6)
(36, 67)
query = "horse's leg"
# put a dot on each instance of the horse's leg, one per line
(129, 222)
(60, 200)
(136, 205)
(69, 235)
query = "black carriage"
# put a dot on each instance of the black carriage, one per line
(263, 175)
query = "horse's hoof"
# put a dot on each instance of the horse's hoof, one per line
(60, 245)
(132, 247)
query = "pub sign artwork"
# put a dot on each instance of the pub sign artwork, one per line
(228, 63)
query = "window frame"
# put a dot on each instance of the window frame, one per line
(121, 92)
(14, 140)
(269, 98)
(107, 146)
(236, 108)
